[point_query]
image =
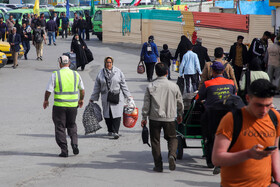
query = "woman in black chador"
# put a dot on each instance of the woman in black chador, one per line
(78, 46)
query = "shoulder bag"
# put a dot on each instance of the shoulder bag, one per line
(112, 97)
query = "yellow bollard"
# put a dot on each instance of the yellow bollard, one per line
(177, 66)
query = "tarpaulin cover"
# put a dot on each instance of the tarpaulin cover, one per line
(233, 22)
(249, 7)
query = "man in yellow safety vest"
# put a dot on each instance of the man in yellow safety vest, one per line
(68, 95)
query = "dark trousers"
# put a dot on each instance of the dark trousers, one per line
(150, 66)
(64, 29)
(113, 124)
(194, 82)
(26, 46)
(237, 73)
(87, 34)
(65, 118)
(2, 36)
(169, 135)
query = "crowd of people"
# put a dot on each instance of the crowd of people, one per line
(36, 30)
(241, 143)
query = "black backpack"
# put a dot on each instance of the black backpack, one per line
(238, 123)
(38, 35)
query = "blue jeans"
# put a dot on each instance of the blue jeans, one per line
(26, 46)
(82, 32)
(51, 35)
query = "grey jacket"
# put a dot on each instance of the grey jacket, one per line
(162, 101)
(118, 85)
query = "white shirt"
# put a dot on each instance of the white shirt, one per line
(50, 86)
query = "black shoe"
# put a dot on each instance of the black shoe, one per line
(49, 44)
(158, 169)
(63, 154)
(75, 149)
(54, 43)
(216, 170)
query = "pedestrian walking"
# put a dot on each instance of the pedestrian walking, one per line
(182, 48)
(242, 153)
(14, 41)
(34, 21)
(207, 72)
(18, 26)
(38, 40)
(81, 25)
(189, 68)
(273, 71)
(202, 54)
(10, 24)
(78, 46)
(162, 104)
(253, 73)
(43, 22)
(149, 54)
(57, 21)
(88, 26)
(258, 49)
(238, 55)
(165, 57)
(65, 24)
(3, 29)
(75, 22)
(110, 83)
(25, 39)
(68, 89)
(51, 28)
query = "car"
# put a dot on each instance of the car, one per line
(3, 59)
(5, 48)
(11, 6)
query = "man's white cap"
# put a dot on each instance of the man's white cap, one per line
(63, 59)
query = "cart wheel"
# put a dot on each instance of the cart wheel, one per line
(180, 148)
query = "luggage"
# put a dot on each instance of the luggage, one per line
(72, 58)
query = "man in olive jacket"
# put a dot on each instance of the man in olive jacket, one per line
(162, 103)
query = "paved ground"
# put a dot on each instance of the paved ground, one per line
(28, 151)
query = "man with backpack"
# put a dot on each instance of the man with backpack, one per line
(258, 49)
(214, 92)
(37, 40)
(207, 70)
(246, 141)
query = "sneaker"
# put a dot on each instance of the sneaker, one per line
(158, 169)
(49, 44)
(216, 170)
(75, 149)
(38, 58)
(41, 58)
(116, 135)
(54, 43)
(172, 163)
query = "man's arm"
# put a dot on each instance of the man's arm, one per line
(81, 100)
(275, 158)
(221, 156)
(46, 100)
(146, 107)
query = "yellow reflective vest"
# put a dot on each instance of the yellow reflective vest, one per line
(66, 92)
